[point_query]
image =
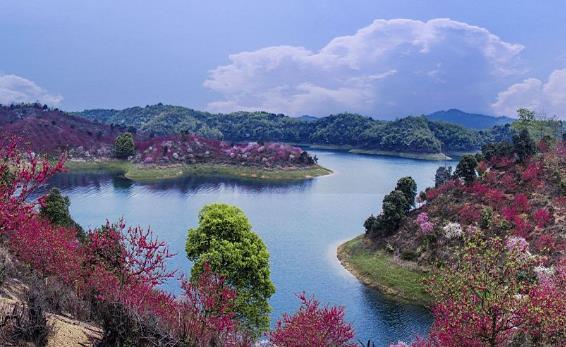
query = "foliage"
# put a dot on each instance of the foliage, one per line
(426, 227)
(409, 134)
(124, 146)
(408, 186)
(55, 208)
(225, 241)
(395, 207)
(523, 145)
(442, 175)
(313, 325)
(117, 269)
(487, 297)
(466, 169)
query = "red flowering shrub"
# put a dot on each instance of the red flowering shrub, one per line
(433, 193)
(469, 214)
(508, 182)
(531, 172)
(521, 202)
(313, 325)
(484, 299)
(206, 311)
(522, 227)
(542, 217)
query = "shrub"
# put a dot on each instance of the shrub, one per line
(486, 217)
(313, 325)
(409, 255)
(425, 226)
(452, 230)
(124, 146)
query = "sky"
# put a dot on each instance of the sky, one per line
(384, 59)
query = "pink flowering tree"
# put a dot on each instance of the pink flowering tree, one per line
(313, 325)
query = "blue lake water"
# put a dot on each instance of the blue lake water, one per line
(301, 223)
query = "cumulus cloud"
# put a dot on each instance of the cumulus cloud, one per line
(390, 67)
(545, 97)
(16, 89)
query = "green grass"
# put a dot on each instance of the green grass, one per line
(139, 172)
(377, 269)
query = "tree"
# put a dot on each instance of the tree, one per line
(466, 169)
(394, 209)
(523, 145)
(55, 208)
(408, 186)
(442, 175)
(225, 241)
(124, 146)
(526, 115)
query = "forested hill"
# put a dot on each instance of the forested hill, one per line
(410, 134)
(469, 120)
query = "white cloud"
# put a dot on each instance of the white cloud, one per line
(546, 97)
(390, 67)
(16, 89)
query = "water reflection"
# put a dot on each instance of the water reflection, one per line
(194, 184)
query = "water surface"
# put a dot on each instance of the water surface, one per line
(301, 223)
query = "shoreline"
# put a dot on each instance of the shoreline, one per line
(397, 280)
(141, 172)
(350, 149)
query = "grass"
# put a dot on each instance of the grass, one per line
(138, 172)
(379, 270)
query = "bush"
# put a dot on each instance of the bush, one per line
(124, 146)
(409, 255)
(25, 322)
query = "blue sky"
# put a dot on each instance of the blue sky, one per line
(379, 58)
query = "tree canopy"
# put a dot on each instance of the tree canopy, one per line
(124, 146)
(224, 240)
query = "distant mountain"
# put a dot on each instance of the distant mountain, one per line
(469, 120)
(307, 118)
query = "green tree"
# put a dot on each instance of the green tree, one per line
(442, 175)
(408, 186)
(55, 208)
(523, 145)
(124, 146)
(466, 168)
(225, 241)
(526, 115)
(394, 209)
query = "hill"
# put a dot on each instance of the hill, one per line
(90, 144)
(416, 135)
(469, 120)
(485, 248)
(50, 130)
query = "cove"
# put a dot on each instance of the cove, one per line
(301, 223)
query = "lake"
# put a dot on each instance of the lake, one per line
(301, 223)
